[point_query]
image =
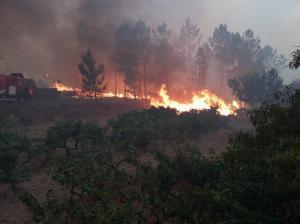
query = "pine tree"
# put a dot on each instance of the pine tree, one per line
(295, 63)
(93, 80)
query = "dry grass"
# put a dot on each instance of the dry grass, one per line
(44, 112)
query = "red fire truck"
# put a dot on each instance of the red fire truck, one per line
(15, 87)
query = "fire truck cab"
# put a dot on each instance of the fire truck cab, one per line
(16, 88)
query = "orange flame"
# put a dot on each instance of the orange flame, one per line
(118, 95)
(63, 88)
(80, 93)
(202, 100)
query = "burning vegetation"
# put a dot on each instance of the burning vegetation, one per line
(94, 86)
(138, 57)
(201, 100)
(182, 73)
(144, 123)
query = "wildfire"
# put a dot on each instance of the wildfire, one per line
(201, 100)
(63, 88)
(118, 95)
(80, 93)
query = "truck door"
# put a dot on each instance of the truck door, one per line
(3, 85)
(12, 90)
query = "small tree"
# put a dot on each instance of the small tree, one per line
(256, 88)
(12, 148)
(91, 74)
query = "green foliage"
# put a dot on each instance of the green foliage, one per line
(178, 189)
(256, 88)
(47, 212)
(256, 180)
(71, 135)
(261, 169)
(295, 63)
(91, 74)
(11, 148)
(96, 185)
(136, 130)
(240, 54)
(98, 191)
(196, 123)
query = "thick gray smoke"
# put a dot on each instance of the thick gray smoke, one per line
(46, 37)
(35, 36)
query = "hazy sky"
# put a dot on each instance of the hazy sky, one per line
(276, 22)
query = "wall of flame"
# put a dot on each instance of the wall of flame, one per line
(201, 100)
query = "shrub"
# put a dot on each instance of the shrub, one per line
(11, 148)
(136, 130)
(255, 181)
(71, 135)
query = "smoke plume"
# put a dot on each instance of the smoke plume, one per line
(45, 38)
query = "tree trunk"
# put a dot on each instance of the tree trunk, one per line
(145, 77)
(115, 84)
(189, 61)
(222, 79)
